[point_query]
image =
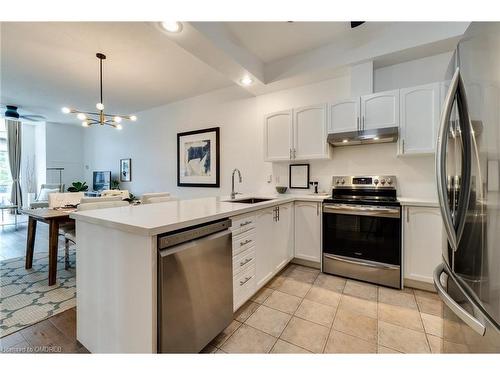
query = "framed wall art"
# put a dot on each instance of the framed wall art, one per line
(299, 176)
(125, 170)
(198, 158)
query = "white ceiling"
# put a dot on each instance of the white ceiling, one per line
(271, 41)
(47, 65)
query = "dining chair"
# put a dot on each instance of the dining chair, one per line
(160, 199)
(70, 233)
(110, 198)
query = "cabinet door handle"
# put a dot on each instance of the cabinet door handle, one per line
(290, 154)
(245, 223)
(245, 281)
(245, 261)
(243, 243)
(278, 212)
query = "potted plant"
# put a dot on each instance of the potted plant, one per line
(115, 185)
(78, 186)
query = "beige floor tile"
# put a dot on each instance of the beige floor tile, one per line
(307, 335)
(383, 350)
(451, 347)
(284, 347)
(359, 305)
(262, 295)
(403, 298)
(294, 287)
(276, 282)
(244, 312)
(355, 324)
(339, 342)
(401, 339)
(426, 294)
(429, 305)
(324, 296)
(316, 312)
(224, 335)
(436, 343)
(432, 324)
(283, 302)
(361, 290)
(333, 283)
(302, 274)
(452, 331)
(249, 340)
(401, 316)
(268, 320)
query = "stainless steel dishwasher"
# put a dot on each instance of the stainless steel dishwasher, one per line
(195, 286)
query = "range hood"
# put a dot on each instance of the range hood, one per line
(361, 137)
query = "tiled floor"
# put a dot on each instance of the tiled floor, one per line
(54, 335)
(304, 311)
(299, 311)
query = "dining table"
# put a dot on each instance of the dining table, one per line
(54, 217)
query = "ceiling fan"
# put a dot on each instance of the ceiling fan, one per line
(13, 113)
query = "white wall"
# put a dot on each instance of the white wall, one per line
(412, 73)
(151, 141)
(64, 149)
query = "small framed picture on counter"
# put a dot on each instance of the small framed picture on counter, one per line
(299, 176)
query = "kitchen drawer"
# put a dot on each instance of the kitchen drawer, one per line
(243, 286)
(242, 223)
(243, 241)
(244, 260)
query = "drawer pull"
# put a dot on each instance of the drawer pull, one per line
(245, 242)
(245, 281)
(245, 223)
(245, 261)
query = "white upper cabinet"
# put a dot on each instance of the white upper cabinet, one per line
(278, 135)
(423, 242)
(380, 110)
(344, 116)
(419, 112)
(308, 231)
(310, 132)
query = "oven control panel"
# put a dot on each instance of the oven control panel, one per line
(364, 181)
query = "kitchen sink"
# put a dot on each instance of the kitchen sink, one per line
(250, 200)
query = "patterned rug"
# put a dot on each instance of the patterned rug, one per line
(25, 296)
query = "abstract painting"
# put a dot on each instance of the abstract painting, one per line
(198, 158)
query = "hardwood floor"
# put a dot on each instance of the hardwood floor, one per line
(54, 335)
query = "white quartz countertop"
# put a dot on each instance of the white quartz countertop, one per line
(153, 219)
(418, 202)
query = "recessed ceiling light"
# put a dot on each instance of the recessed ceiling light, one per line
(172, 26)
(345, 141)
(246, 81)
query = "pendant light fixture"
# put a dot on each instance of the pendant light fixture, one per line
(100, 117)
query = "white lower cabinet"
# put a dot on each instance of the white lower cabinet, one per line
(264, 247)
(283, 236)
(308, 231)
(423, 241)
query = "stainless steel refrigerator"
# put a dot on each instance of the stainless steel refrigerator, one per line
(468, 182)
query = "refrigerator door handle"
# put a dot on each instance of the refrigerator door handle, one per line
(442, 140)
(467, 318)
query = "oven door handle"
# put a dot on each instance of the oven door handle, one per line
(361, 210)
(365, 263)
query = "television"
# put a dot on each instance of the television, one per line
(101, 180)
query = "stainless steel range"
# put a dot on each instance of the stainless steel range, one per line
(362, 230)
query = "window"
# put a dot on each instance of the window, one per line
(5, 178)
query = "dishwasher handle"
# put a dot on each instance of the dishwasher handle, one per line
(192, 233)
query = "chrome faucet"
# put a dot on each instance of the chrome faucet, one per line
(233, 193)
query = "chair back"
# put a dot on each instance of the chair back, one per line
(53, 186)
(146, 197)
(64, 199)
(111, 198)
(112, 193)
(160, 199)
(99, 205)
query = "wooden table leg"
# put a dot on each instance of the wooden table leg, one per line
(30, 243)
(53, 247)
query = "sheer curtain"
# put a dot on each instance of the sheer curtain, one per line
(14, 141)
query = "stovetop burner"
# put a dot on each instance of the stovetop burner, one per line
(373, 190)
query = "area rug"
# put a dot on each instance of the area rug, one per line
(25, 296)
